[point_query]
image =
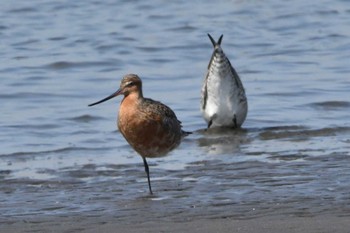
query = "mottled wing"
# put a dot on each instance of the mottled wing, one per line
(204, 92)
(237, 81)
(160, 112)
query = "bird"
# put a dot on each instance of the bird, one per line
(223, 99)
(150, 127)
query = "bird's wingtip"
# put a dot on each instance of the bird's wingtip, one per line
(213, 41)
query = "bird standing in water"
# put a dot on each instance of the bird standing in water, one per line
(150, 127)
(223, 99)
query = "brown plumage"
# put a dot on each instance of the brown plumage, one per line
(150, 127)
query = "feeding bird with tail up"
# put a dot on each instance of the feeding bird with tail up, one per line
(150, 127)
(223, 99)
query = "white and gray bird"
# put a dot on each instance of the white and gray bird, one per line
(223, 99)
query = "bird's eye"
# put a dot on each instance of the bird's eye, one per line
(129, 84)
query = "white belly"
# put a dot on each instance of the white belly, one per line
(225, 105)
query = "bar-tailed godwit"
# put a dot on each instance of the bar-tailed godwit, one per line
(150, 127)
(223, 99)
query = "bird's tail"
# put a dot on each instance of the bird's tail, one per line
(185, 133)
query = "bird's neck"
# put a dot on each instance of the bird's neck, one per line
(134, 97)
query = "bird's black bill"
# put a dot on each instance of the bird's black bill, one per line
(107, 98)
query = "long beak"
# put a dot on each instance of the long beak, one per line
(107, 98)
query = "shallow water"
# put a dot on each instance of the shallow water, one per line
(60, 158)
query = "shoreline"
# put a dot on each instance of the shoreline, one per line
(108, 224)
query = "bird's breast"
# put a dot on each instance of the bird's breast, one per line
(147, 131)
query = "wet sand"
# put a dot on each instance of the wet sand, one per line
(271, 224)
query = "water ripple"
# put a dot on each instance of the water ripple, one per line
(303, 134)
(291, 157)
(85, 118)
(68, 65)
(331, 105)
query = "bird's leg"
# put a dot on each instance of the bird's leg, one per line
(234, 120)
(211, 120)
(209, 123)
(147, 172)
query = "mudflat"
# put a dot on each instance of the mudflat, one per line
(271, 224)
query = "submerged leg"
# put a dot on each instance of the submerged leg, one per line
(147, 172)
